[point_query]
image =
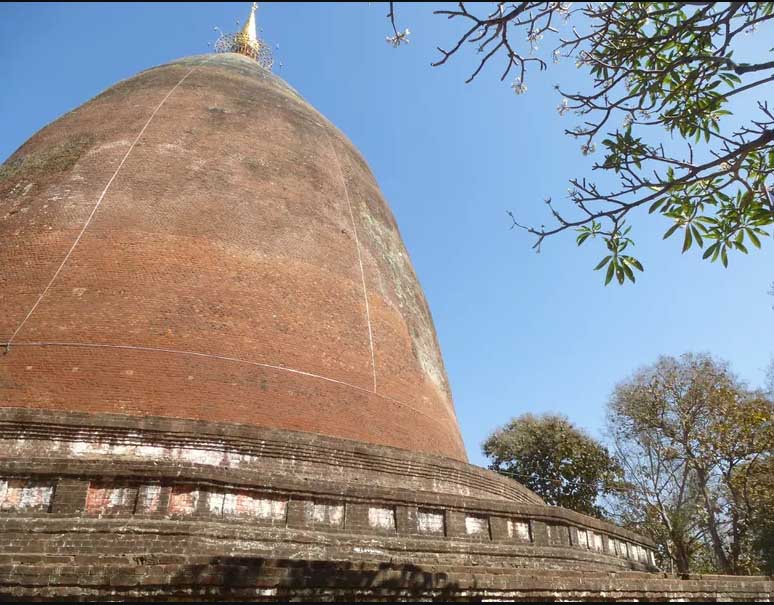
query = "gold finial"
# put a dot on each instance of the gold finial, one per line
(249, 31)
(246, 42)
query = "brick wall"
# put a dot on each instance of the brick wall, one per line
(100, 507)
(106, 467)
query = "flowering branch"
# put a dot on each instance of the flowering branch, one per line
(654, 68)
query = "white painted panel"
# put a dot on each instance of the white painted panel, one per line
(583, 538)
(518, 530)
(381, 518)
(215, 503)
(262, 508)
(229, 503)
(25, 494)
(476, 526)
(430, 522)
(149, 499)
(331, 515)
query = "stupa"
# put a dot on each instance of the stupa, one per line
(221, 379)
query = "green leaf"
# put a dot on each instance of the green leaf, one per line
(629, 272)
(688, 239)
(655, 205)
(610, 272)
(697, 236)
(671, 230)
(710, 250)
(602, 263)
(635, 263)
(753, 238)
(724, 257)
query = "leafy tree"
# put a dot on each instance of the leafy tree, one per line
(692, 441)
(556, 460)
(661, 498)
(661, 79)
(761, 494)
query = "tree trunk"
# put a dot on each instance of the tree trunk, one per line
(712, 525)
(682, 557)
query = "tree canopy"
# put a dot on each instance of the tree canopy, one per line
(690, 464)
(656, 114)
(554, 459)
(693, 442)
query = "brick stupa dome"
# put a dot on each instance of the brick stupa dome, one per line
(235, 262)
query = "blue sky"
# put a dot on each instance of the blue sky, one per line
(519, 331)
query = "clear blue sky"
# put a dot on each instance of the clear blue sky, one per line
(519, 331)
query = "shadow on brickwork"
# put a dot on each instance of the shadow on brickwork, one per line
(251, 578)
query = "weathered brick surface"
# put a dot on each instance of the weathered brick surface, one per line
(163, 486)
(222, 276)
(94, 559)
(70, 495)
(95, 481)
(79, 438)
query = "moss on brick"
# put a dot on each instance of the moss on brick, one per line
(58, 158)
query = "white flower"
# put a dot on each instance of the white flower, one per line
(518, 86)
(588, 148)
(399, 38)
(628, 120)
(564, 107)
(533, 39)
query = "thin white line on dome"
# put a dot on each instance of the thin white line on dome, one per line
(87, 345)
(359, 257)
(97, 205)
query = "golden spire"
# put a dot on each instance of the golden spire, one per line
(249, 31)
(246, 42)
